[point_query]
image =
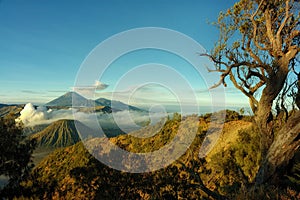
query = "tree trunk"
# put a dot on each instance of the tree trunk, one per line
(263, 114)
(264, 117)
(286, 143)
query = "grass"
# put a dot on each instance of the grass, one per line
(228, 136)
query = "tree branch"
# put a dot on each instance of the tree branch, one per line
(253, 101)
(270, 34)
(255, 27)
(257, 59)
(290, 38)
(257, 86)
(282, 25)
(212, 58)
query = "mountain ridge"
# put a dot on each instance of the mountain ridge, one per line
(73, 99)
(61, 133)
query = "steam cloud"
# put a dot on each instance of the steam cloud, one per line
(30, 116)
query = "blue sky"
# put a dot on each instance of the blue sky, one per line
(43, 44)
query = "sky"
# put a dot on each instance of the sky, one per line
(46, 44)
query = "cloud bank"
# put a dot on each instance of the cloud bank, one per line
(126, 121)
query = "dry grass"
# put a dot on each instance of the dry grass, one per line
(228, 136)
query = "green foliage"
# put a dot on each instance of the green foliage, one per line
(206, 117)
(238, 164)
(265, 192)
(230, 115)
(225, 171)
(15, 154)
(73, 172)
(247, 151)
(52, 177)
(257, 50)
(160, 134)
(242, 111)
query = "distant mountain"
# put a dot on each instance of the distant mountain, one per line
(61, 133)
(10, 109)
(101, 104)
(115, 105)
(2, 105)
(67, 100)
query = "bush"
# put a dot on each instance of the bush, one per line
(247, 151)
(265, 192)
(15, 154)
(238, 164)
(230, 115)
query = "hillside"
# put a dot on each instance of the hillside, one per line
(10, 109)
(29, 130)
(74, 173)
(61, 133)
(229, 136)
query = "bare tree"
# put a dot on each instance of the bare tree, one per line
(257, 51)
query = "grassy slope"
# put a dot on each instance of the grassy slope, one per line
(228, 136)
(93, 179)
(61, 162)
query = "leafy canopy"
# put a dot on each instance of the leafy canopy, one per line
(257, 50)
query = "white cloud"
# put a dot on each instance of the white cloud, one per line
(99, 85)
(31, 116)
(89, 91)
